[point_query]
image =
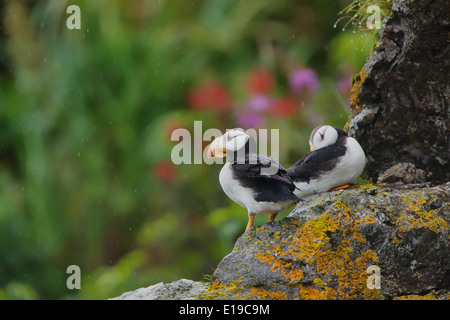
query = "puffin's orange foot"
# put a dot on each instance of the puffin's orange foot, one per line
(344, 186)
(273, 216)
(250, 222)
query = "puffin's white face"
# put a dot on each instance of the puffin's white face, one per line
(231, 141)
(322, 136)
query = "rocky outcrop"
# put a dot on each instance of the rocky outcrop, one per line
(367, 242)
(401, 98)
(183, 289)
(325, 249)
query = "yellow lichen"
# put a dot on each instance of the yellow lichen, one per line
(421, 201)
(357, 82)
(429, 296)
(319, 282)
(311, 243)
(264, 294)
(330, 242)
(415, 215)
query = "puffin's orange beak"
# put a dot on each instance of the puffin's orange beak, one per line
(215, 151)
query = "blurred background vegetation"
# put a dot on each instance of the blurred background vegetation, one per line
(86, 118)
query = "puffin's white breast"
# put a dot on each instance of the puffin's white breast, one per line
(245, 196)
(233, 188)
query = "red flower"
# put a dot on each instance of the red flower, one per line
(213, 95)
(260, 81)
(284, 107)
(165, 171)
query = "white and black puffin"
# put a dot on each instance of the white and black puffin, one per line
(254, 181)
(335, 162)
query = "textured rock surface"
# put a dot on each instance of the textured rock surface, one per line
(401, 98)
(183, 289)
(323, 249)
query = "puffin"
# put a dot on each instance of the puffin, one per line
(256, 182)
(335, 162)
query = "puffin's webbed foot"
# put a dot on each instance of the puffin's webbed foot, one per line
(344, 186)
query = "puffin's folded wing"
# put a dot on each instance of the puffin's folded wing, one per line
(315, 162)
(264, 167)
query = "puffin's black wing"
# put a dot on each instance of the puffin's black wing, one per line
(316, 162)
(266, 176)
(258, 166)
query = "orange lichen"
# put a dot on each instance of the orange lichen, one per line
(428, 296)
(329, 244)
(357, 82)
(335, 262)
(216, 285)
(264, 294)
(414, 214)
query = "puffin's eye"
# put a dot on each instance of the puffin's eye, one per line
(322, 136)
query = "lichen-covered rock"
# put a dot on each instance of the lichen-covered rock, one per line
(183, 289)
(324, 248)
(401, 98)
(405, 173)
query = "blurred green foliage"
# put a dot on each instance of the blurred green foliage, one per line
(86, 118)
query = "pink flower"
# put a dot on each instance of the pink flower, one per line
(259, 103)
(250, 120)
(304, 78)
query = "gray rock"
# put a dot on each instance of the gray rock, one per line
(401, 98)
(403, 173)
(183, 289)
(324, 248)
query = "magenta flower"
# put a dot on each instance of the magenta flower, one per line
(250, 120)
(304, 78)
(259, 103)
